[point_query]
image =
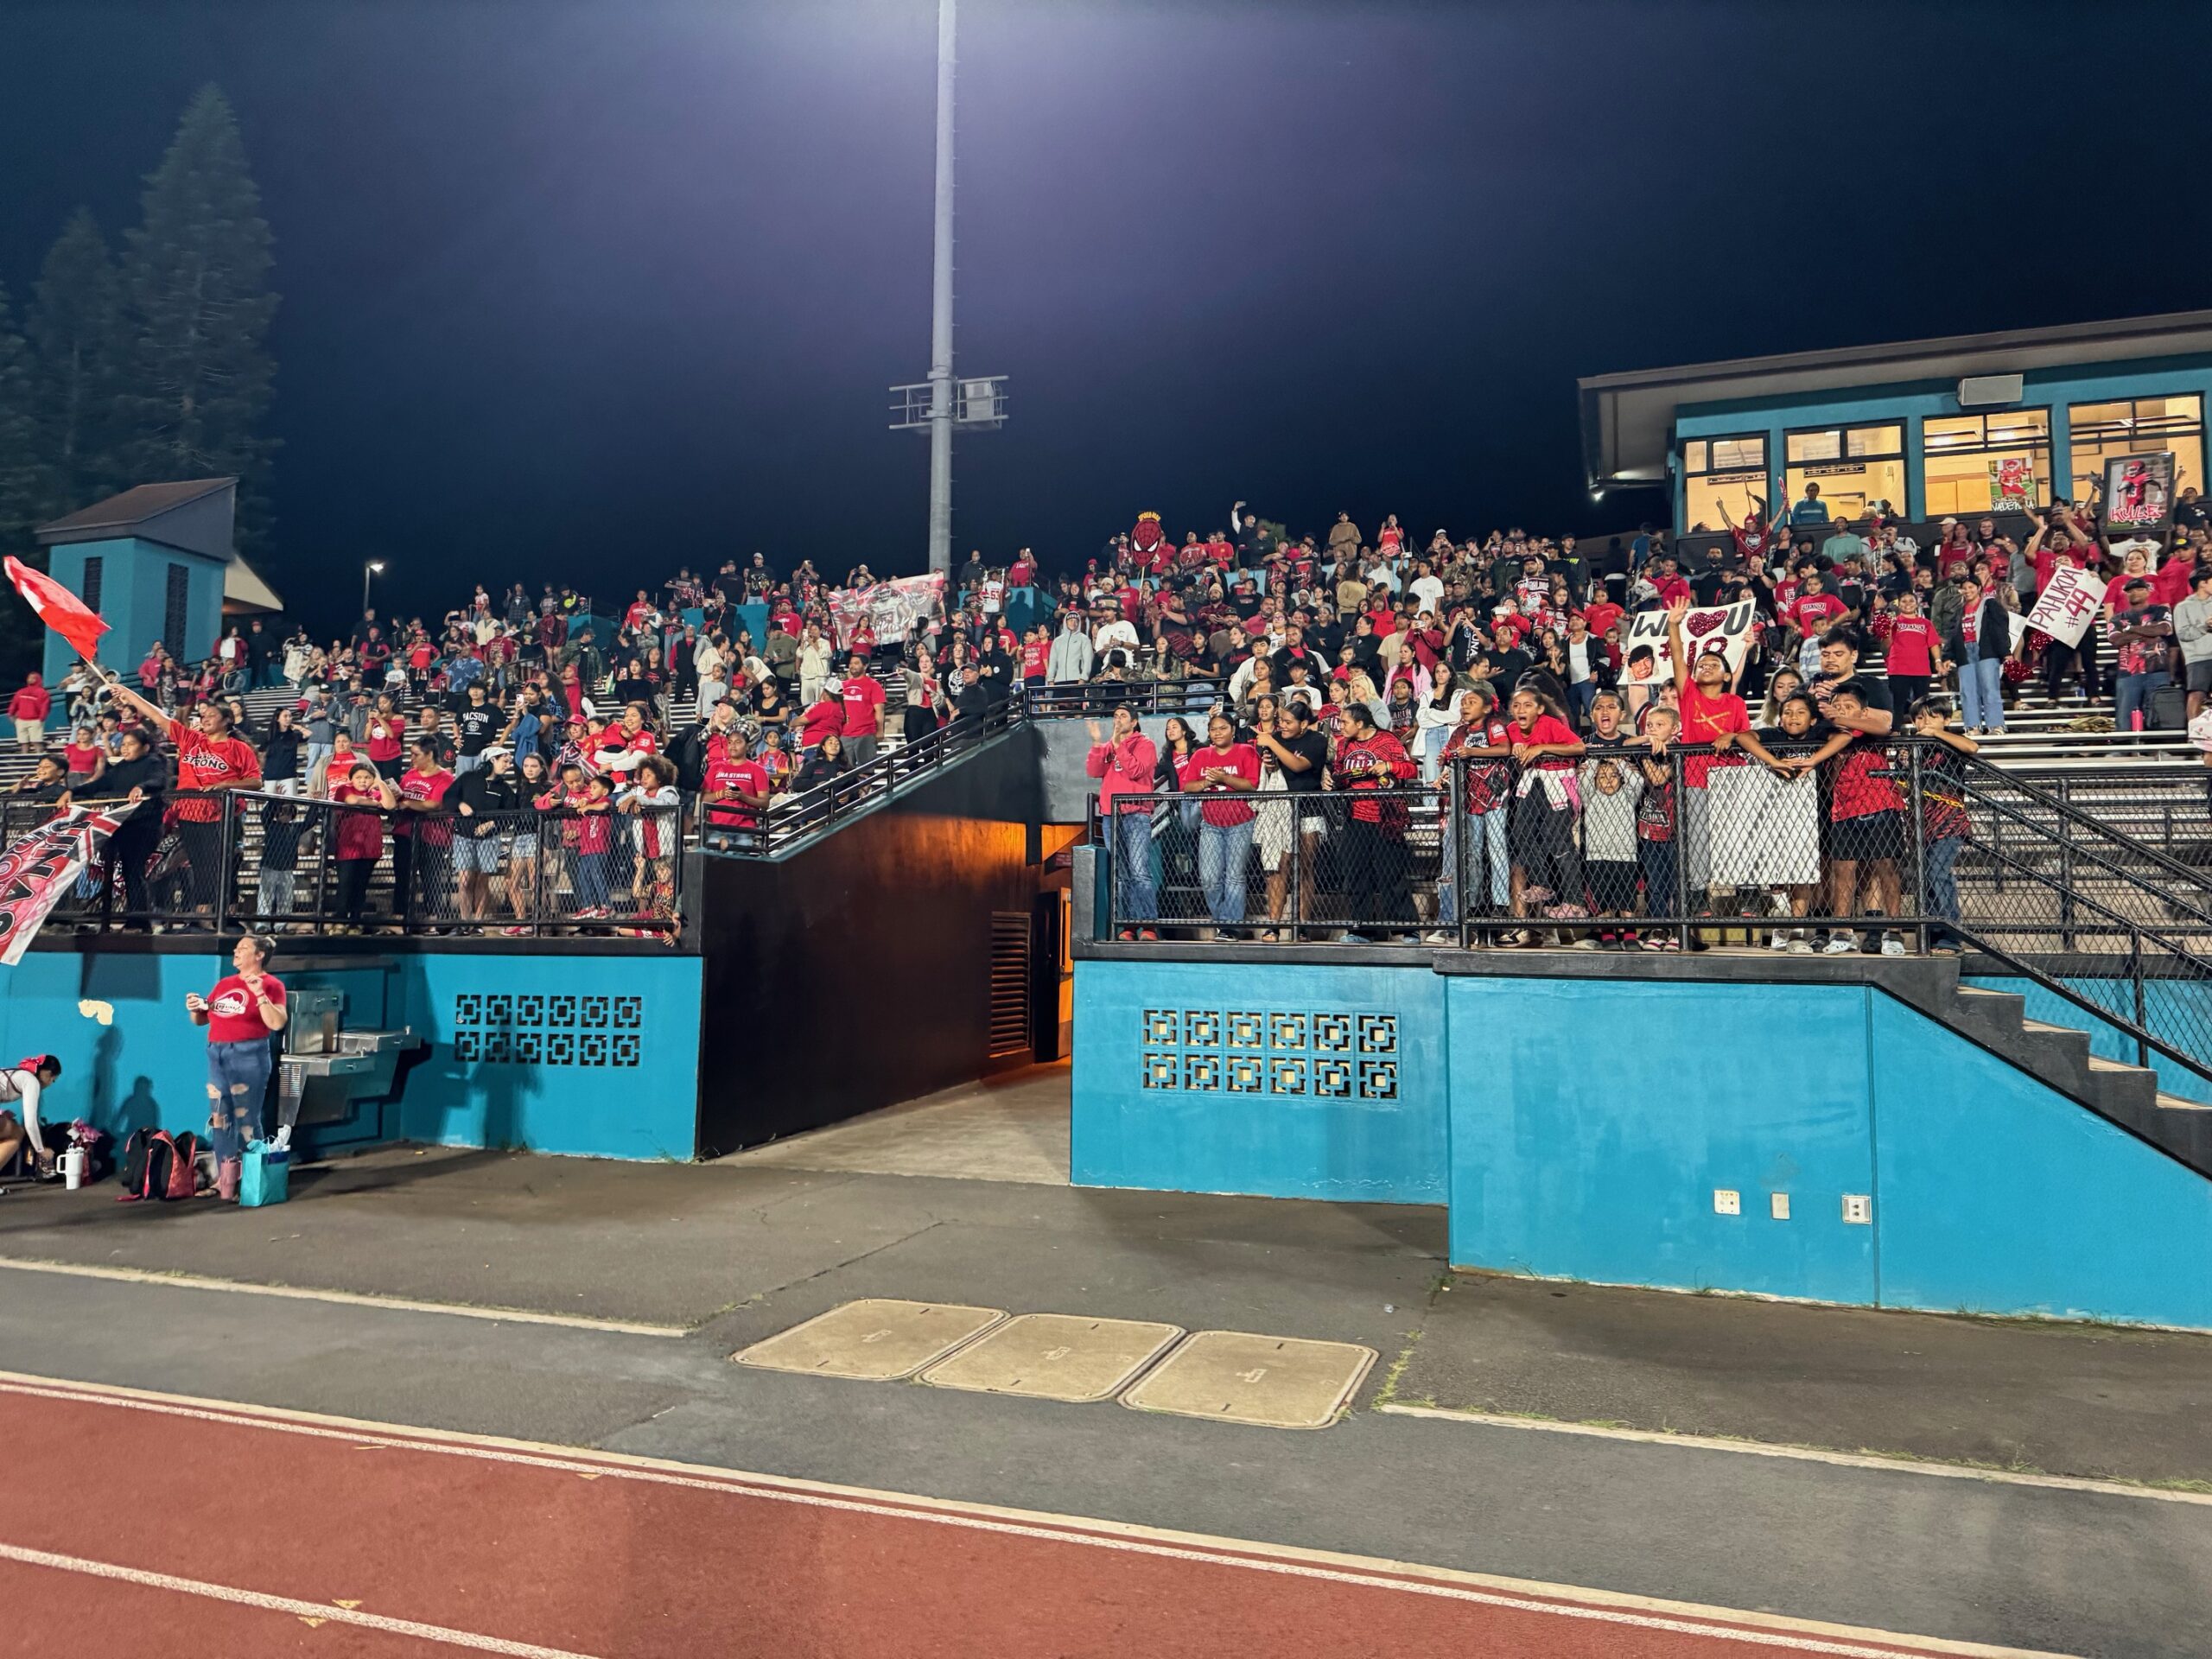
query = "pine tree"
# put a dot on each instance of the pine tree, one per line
(195, 276)
(19, 489)
(73, 326)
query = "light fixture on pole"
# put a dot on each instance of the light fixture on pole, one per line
(370, 571)
(940, 404)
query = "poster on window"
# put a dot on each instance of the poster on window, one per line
(2139, 491)
(2068, 604)
(2011, 483)
(1708, 630)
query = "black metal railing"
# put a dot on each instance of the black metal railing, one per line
(1903, 846)
(230, 859)
(726, 830)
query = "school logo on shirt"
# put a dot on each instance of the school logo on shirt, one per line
(229, 1004)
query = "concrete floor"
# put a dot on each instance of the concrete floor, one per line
(1010, 1128)
(733, 1252)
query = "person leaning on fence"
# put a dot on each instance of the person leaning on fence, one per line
(1865, 828)
(1482, 813)
(1300, 752)
(1373, 858)
(1546, 865)
(1657, 824)
(485, 802)
(1781, 797)
(1122, 762)
(1944, 826)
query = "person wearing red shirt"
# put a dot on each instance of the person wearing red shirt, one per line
(1546, 873)
(1224, 772)
(1123, 763)
(29, 708)
(1913, 654)
(736, 789)
(1668, 584)
(1370, 763)
(421, 845)
(1812, 611)
(1866, 824)
(1601, 615)
(1711, 713)
(1485, 809)
(860, 701)
(208, 757)
(821, 719)
(244, 1011)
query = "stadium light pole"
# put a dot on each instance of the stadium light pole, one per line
(370, 571)
(941, 404)
(941, 308)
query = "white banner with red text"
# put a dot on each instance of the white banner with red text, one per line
(42, 865)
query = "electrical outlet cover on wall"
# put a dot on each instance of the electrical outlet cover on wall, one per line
(1727, 1201)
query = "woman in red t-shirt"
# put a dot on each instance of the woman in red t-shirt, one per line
(1547, 868)
(1223, 772)
(241, 1014)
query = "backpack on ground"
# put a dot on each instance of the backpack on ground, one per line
(158, 1166)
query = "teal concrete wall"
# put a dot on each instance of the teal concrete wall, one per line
(1592, 1120)
(134, 602)
(1286, 1082)
(595, 1056)
(1914, 401)
(1581, 1129)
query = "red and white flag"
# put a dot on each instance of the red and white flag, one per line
(59, 608)
(42, 865)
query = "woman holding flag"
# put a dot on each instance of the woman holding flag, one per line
(209, 756)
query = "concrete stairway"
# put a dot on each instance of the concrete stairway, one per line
(2059, 1056)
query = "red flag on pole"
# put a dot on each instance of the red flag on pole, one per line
(59, 608)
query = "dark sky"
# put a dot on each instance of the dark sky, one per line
(583, 290)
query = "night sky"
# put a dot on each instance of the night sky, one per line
(579, 291)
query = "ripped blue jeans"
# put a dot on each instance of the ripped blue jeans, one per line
(237, 1079)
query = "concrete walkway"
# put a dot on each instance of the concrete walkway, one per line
(1010, 1128)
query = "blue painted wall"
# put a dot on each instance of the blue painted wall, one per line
(1578, 1156)
(1579, 1128)
(1914, 401)
(590, 1055)
(1286, 1082)
(134, 602)
(593, 1055)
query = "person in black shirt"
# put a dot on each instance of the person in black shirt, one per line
(484, 799)
(137, 779)
(475, 723)
(1301, 750)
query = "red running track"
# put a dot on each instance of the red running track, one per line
(134, 1522)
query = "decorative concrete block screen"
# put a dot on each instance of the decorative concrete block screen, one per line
(557, 1029)
(1316, 1054)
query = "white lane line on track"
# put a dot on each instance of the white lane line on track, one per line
(343, 1298)
(1762, 1630)
(1802, 1454)
(268, 1603)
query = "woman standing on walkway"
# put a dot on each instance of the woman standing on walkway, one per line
(241, 1014)
(1224, 766)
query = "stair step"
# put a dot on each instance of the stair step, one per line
(2176, 1103)
(2045, 1025)
(2098, 1062)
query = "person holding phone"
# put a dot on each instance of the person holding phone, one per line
(243, 1010)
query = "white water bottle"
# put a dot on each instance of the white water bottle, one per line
(72, 1168)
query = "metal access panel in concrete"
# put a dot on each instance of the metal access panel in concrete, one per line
(1272, 1381)
(1056, 1357)
(875, 1340)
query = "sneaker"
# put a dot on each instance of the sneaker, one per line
(1892, 945)
(1584, 944)
(1129, 936)
(1800, 946)
(1356, 938)
(1440, 936)
(1655, 942)
(1838, 944)
(1147, 933)
(1780, 941)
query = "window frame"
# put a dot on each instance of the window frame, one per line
(2047, 473)
(1763, 438)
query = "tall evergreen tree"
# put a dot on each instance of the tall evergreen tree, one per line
(195, 283)
(73, 323)
(19, 489)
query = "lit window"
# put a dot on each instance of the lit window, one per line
(2139, 426)
(1985, 463)
(1718, 472)
(1858, 469)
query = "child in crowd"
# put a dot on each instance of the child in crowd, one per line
(1611, 787)
(1943, 812)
